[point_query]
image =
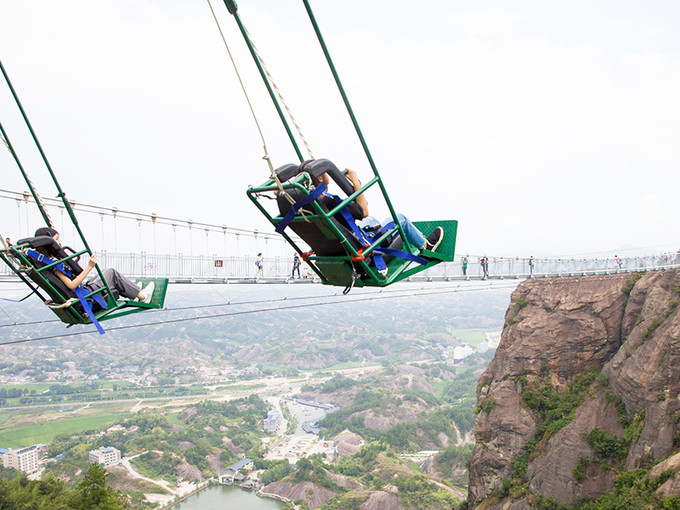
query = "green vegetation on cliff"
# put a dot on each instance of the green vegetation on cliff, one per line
(633, 489)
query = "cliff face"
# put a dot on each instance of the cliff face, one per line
(620, 330)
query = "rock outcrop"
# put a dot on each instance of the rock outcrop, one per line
(623, 330)
(381, 500)
(348, 443)
(312, 495)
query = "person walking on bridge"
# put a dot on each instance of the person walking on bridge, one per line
(259, 263)
(296, 266)
(484, 261)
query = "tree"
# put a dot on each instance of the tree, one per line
(304, 464)
(92, 492)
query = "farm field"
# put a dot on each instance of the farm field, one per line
(471, 336)
(27, 427)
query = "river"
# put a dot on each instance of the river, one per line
(224, 497)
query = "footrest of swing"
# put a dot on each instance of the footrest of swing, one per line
(446, 250)
(159, 291)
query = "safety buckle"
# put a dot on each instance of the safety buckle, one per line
(360, 257)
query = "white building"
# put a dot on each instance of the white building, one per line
(460, 352)
(105, 456)
(24, 459)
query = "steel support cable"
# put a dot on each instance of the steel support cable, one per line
(405, 293)
(44, 158)
(194, 307)
(259, 59)
(231, 7)
(16, 323)
(131, 215)
(242, 312)
(266, 156)
(165, 220)
(281, 98)
(243, 88)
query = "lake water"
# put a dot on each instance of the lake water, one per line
(220, 497)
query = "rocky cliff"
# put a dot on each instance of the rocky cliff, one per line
(584, 389)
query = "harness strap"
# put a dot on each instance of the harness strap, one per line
(97, 297)
(45, 259)
(399, 253)
(379, 262)
(377, 253)
(403, 255)
(80, 290)
(318, 191)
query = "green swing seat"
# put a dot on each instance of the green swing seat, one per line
(336, 253)
(36, 271)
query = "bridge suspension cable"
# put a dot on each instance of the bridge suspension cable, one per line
(114, 212)
(189, 224)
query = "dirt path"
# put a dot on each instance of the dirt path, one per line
(134, 474)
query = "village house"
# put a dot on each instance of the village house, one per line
(228, 475)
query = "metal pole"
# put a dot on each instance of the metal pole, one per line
(232, 8)
(354, 120)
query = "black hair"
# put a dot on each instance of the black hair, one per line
(48, 250)
(45, 231)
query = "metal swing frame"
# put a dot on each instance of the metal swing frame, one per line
(67, 308)
(354, 268)
(341, 270)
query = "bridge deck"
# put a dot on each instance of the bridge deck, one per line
(241, 270)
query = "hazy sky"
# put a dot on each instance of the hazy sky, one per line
(545, 128)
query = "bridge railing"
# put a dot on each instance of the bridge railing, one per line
(180, 267)
(516, 267)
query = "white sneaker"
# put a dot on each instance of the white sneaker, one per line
(147, 292)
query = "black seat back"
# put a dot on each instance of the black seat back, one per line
(316, 168)
(58, 292)
(317, 234)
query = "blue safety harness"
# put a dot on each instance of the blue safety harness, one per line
(80, 291)
(362, 236)
(318, 191)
